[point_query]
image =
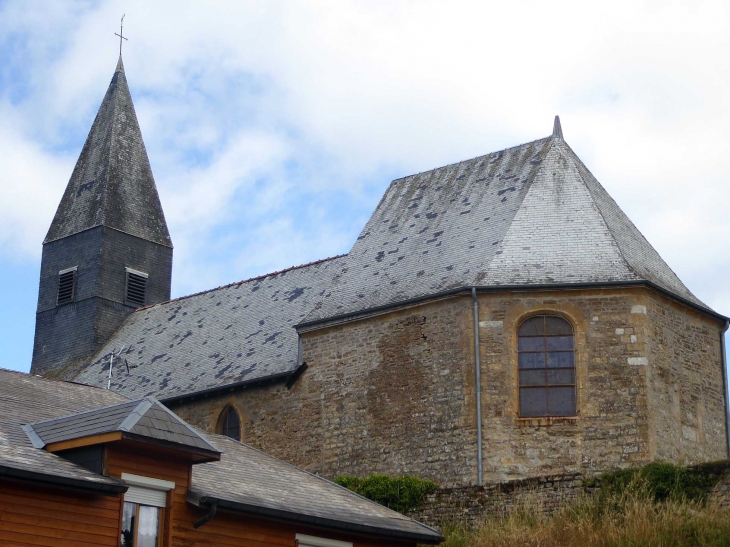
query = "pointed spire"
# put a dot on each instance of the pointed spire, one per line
(557, 130)
(112, 184)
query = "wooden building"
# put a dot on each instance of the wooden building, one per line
(83, 466)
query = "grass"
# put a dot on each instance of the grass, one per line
(632, 516)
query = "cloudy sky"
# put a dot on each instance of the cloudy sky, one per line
(273, 128)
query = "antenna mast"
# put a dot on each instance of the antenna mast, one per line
(111, 364)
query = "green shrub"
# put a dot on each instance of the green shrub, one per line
(662, 481)
(401, 494)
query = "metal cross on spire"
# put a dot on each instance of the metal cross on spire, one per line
(121, 35)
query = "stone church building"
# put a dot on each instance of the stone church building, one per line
(497, 318)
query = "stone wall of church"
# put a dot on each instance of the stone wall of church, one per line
(391, 394)
(686, 390)
(395, 393)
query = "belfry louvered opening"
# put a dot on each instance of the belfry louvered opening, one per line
(136, 287)
(66, 286)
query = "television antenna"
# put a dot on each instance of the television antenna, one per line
(111, 365)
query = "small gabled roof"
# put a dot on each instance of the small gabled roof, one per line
(112, 184)
(531, 215)
(143, 418)
(25, 398)
(253, 482)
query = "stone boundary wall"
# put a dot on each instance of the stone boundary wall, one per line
(471, 504)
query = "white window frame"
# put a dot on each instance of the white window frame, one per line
(304, 540)
(146, 490)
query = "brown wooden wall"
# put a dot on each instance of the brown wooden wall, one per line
(226, 529)
(39, 516)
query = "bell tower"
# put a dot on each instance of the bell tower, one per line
(108, 250)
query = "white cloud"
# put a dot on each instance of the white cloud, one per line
(272, 127)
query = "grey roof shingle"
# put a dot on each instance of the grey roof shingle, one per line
(112, 184)
(145, 417)
(25, 398)
(249, 477)
(528, 215)
(243, 475)
(244, 331)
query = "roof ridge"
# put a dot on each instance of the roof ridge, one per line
(250, 279)
(571, 157)
(108, 158)
(545, 151)
(88, 411)
(472, 159)
(581, 166)
(136, 414)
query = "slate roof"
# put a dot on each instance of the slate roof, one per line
(531, 215)
(528, 215)
(25, 398)
(112, 184)
(248, 478)
(145, 417)
(237, 333)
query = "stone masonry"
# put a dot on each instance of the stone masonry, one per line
(395, 393)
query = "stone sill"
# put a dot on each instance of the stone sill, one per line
(546, 420)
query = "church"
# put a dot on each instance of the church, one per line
(498, 318)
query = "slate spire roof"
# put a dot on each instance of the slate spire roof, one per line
(528, 215)
(112, 184)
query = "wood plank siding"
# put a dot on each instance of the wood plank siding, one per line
(227, 528)
(32, 515)
(39, 516)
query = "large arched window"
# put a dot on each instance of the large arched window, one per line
(229, 423)
(546, 353)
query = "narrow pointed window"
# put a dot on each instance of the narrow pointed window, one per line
(546, 353)
(229, 423)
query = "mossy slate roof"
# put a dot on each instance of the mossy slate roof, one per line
(238, 333)
(531, 215)
(112, 184)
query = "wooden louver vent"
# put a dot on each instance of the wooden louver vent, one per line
(66, 286)
(136, 286)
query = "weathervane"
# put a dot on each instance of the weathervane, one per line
(121, 35)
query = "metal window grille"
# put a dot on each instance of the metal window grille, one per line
(136, 288)
(546, 355)
(66, 286)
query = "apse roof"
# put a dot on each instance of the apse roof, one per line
(112, 184)
(530, 215)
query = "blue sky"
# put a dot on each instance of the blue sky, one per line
(273, 128)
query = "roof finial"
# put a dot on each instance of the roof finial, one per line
(121, 35)
(557, 130)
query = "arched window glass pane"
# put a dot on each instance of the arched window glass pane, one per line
(546, 357)
(229, 424)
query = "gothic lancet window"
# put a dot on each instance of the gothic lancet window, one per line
(546, 354)
(229, 423)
